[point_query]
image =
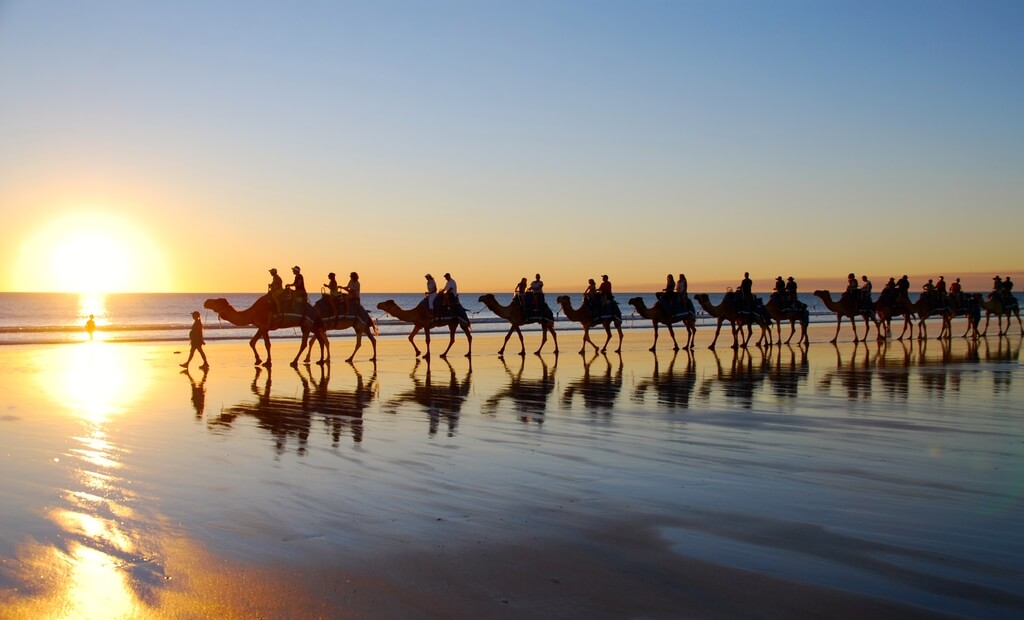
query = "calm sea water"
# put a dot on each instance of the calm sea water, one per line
(60, 317)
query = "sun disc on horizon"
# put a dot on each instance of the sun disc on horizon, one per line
(91, 253)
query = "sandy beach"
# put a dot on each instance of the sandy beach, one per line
(870, 480)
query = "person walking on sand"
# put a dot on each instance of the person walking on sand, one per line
(90, 326)
(196, 342)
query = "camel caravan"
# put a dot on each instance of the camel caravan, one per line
(340, 308)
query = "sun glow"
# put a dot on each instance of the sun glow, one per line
(91, 253)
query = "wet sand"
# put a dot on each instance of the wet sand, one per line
(840, 481)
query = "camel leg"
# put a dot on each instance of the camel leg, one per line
(671, 332)
(544, 338)
(252, 345)
(713, 340)
(586, 339)
(691, 332)
(325, 343)
(618, 328)
(451, 340)
(839, 323)
(302, 347)
(1020, 325)
(922, 329)
(412, 340)
(359, 343)
(426, 335)
(373, 342)
(266, 341)
(469, 341)
(511, 330)
(608, 336)
(655, 345)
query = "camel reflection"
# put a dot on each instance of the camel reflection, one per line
(529, 397)
(289, 418)
(672, 388)
(598, 391)
(342, 410)
(1005, 350)
(741, 380)
(894, 368)
(854, 374)
(788, 372)
(440, 400)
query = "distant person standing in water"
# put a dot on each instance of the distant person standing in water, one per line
(90, 326)
(196, 342)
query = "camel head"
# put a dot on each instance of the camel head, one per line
(562, 300)
(703, 300)
(637, 302)
(487, 298)
(218, 305)
(386, 305)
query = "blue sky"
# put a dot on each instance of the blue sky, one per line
(709, 137)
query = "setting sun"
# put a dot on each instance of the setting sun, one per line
(91, 253)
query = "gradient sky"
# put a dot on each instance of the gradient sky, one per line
(210, 141)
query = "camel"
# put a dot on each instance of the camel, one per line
(967, 306)
(263, 315)
(923, 309)
(779, 314)
(847, 306)
(585, 317)
(659, 314)
(726, 311)
(421, 318)
(995, 306)
(889, 307)
(360, 322)
(513, 313)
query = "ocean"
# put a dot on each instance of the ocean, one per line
(49, 318)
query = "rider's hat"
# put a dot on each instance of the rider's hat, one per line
(296, 268)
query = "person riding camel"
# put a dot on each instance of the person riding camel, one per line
(519, 294)
(940, 291)
(333, 292)
(351, 297)
(791, 292)
(590, 295)
(956, 292)
(668, 294)
(1008, 299)
(431, 293)
(746, 292)
(449, 292)
(298, 287)
(275, 289)
(929, 293)
(780, 291)
(865, 293)
(537, 289)
(605, 291)
(852, 289)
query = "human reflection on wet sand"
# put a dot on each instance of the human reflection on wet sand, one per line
(740, 380)
(287, 417)
(198, 392)
(529, 396)
(599, 391)
(671, 388)
(439, 400)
